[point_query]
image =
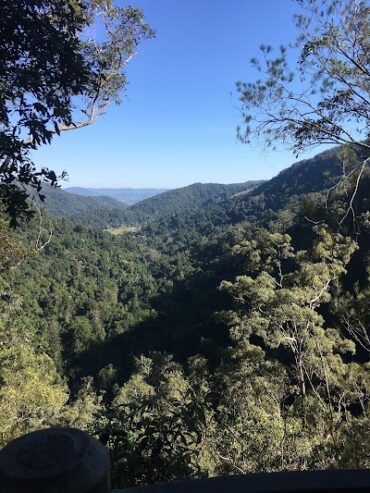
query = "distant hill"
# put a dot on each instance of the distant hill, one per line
(190, 197)
(129, 196)
(59, 203)
(102, 211)
(233, 202)
(307, 176)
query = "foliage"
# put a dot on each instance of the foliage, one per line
(227, 330)
(33, 394)
(182, 379)
(325, 98)
(278, 312)
(156, 425)
(55, 79)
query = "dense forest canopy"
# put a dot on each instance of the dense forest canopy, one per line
(209, 330)
(241, 321)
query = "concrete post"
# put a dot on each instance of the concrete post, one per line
(56, 460)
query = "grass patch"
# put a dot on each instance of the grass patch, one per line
(122, 230)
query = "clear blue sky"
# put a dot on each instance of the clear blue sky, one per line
(177, 123)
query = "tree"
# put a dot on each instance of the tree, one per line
(251, 427)
(11, 250)
(156, 425)
(325, 97)
(287, 364)
(27, 376)
(353, 312)
(56, 78)
(33, 394)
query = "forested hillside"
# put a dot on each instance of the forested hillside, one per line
(100, 211)
(128, 196)
(228, 334)
(183, 199)
(232, 201)
(59, 203)
(226, 202)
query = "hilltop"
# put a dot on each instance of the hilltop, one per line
(59, 203)
(128, 196)
(243, 199)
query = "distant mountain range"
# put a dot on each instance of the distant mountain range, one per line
(104, 208)
(128, 196)
(95, 207)
(59, 203)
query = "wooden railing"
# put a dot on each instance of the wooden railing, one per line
(64, 460)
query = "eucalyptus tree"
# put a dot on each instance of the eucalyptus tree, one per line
(57, 75)
(292, 382)
(315, 90)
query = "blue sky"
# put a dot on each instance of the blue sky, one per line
(177, 123)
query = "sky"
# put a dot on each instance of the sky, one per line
(177, 121)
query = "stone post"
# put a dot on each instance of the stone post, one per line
(56, 460)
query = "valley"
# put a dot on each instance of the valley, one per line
(160, 334)
(163, 313)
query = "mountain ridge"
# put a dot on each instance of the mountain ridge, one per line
(59, 203)
(127, 195)
(240, 199)
(189, 197)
